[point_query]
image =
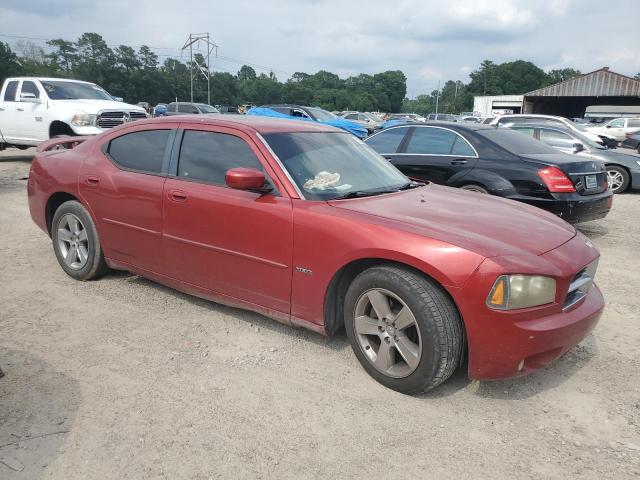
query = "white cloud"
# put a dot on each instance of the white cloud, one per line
(429, 40)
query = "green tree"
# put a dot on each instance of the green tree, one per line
(9, 65)
(64, 57)
(246, 74)
(557, 76)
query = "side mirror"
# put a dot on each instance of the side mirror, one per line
(29, 97)
(578, 147)
(607, 126)
(118, 99)
(246, 179)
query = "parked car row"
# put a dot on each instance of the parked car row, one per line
(314, 229)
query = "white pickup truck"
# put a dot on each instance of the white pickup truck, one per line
(34, 109)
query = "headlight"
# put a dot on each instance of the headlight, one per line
(511, 292)
(83, 120)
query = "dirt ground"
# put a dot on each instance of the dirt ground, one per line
(122, 378)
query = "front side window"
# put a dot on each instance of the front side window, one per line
(141, 151)
(387, 141)
(30, 87)
(462, 148)
(328, 165)
(617, 123)
(207, 156)
(431, 141)
(187, 108)
(10, 91)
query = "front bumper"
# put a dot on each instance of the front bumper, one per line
(90, 130)
(503, 344)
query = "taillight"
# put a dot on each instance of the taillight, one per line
(555, 180)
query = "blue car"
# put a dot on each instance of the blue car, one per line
(309, 114)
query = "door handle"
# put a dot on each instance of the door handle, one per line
(20, 109)
(178, 196)
(458, 162)
(92, 180)
(1, 109)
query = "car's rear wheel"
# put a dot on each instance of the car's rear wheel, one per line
(472, 187)
(618, 178)
(403, 328)
(76, 242)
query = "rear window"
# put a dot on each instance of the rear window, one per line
(142, 151)
(515, 142)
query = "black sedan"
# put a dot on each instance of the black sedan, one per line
(623, 170)
(501, 162)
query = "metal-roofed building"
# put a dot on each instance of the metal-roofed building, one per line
(571, 97)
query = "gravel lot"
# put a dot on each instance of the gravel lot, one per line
(122, 378)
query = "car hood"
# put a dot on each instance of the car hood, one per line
(484, 224)
(94, 106)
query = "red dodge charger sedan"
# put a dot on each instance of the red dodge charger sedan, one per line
(307, 225)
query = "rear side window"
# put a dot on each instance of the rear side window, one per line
(526, 130)
(388, 141)
(462, 148)
(431, 141)
(633, 123)
(554, 138)
(141, 151)
(206, 156)
(10, 91)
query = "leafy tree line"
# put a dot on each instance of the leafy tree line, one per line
(510, 78)
(137, 75)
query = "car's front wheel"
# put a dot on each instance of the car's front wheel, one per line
(618, 178)
(76, 242)
(403, 328)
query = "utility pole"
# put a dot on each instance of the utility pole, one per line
(203, 68)
(437, 96)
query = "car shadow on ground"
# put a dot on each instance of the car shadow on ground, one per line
(523, 387)
(593, 230)
(37, 409)
(17, 157)
(338, 342)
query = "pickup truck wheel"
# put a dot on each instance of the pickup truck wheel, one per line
(76, 242)
(618, 178)
(403, 328)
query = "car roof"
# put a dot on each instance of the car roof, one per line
(50, 79)
(247, 123)
(451, 125)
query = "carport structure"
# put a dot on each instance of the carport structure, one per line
(571, 97)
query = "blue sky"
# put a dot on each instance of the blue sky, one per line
(430, 41)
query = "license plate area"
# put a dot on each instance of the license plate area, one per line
(590, 182)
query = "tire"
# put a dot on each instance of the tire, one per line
(618, 178)
(638, 149)
(77, 246)
(431, 335)
(472, 187)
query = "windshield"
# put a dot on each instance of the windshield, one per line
(327, 165)
(204, 108)
(516, 142)
(74, 91)
(322, 115)
(373, 117)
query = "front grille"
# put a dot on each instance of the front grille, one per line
(580, 285)
(115, 118)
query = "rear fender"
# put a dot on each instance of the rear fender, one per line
(494, 183)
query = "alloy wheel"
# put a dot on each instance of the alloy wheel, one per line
(73, 241)
(387, 332)
(615, 179)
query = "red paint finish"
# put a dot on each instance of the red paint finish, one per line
(277, 254)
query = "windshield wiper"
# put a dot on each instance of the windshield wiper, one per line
(410, 185)
(363, 193)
